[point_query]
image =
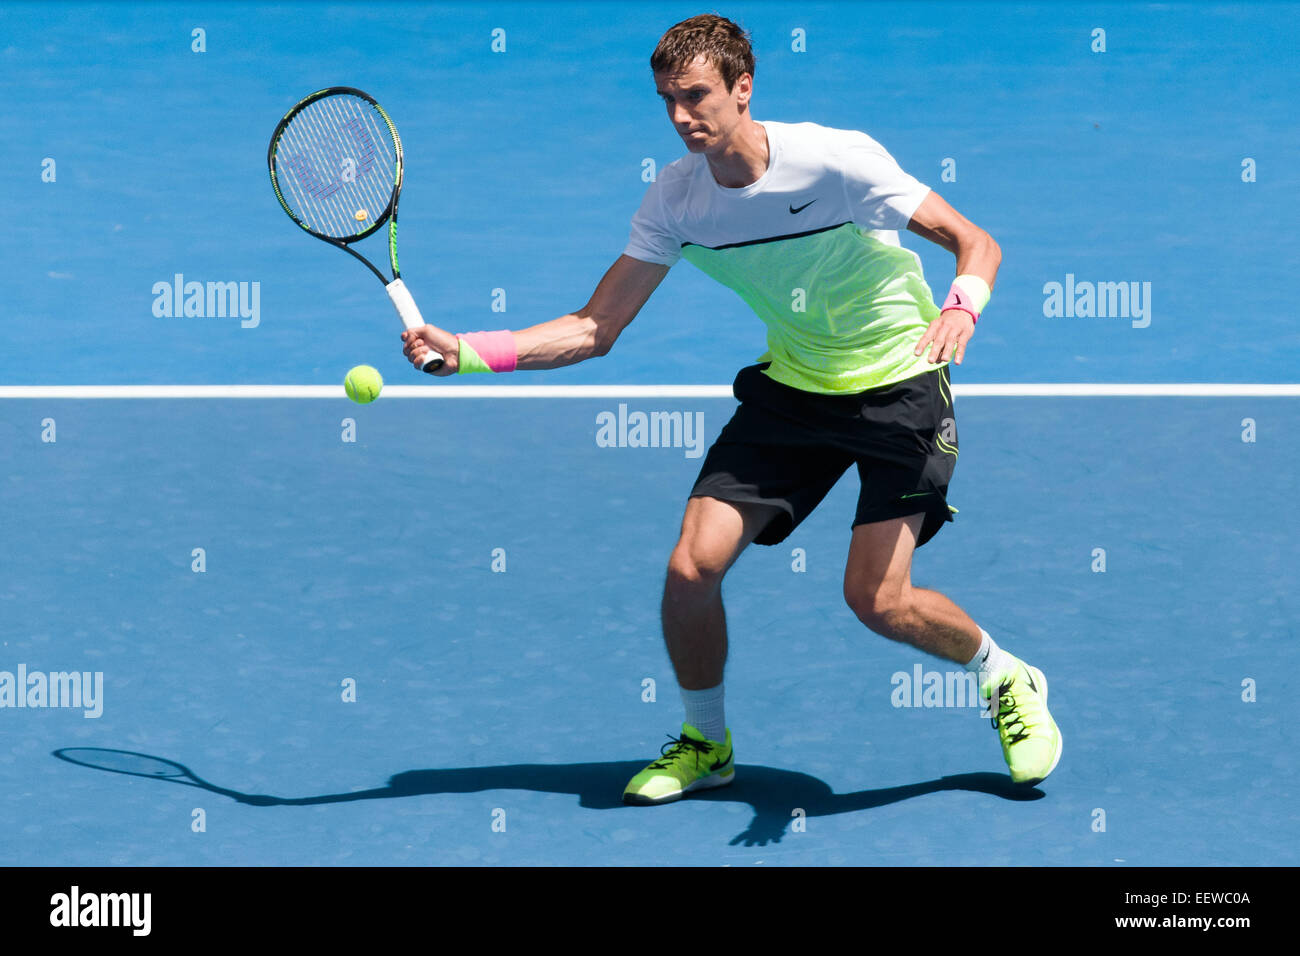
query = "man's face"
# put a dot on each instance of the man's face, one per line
(704, 114)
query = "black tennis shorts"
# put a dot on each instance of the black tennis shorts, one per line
(787, 447)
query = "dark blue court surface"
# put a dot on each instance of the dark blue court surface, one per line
(438, 643)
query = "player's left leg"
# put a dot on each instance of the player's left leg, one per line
(878, 587)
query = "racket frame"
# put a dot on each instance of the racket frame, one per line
(389, 215)
(397, 292)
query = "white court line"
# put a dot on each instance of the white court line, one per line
(1012, 390)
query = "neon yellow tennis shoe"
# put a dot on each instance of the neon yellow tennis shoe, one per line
(689, 762)
(1031, 741)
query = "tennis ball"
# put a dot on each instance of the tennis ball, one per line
(362, 215)
(363, 384)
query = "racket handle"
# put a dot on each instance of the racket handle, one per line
(409, 313)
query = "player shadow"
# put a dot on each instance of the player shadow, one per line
(772, 793)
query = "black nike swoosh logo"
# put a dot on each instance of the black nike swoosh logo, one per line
(986, 655)
(803, 207)
(1032, 685)
(719, 764)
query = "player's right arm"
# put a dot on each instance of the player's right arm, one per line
(591, 330)
(572, 338)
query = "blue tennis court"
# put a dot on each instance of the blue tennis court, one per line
(425, 631)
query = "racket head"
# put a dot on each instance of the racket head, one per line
(333, 157)
(128, 762)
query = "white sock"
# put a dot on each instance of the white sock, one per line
(988, 660)
(704, 712)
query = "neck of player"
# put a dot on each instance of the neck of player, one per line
(743, 160)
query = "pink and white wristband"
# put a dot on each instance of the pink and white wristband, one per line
(969, 294)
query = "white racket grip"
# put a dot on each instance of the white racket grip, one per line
(409, 313)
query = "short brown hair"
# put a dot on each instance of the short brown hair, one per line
(722, 42)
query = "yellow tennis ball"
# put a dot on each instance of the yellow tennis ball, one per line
(361, 215)
(363, 384)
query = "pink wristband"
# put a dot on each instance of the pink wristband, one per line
(497, 349)
(959, 299)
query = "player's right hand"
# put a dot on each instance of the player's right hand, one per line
(419, 341)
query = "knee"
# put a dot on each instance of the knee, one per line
(879, 608)
(691, 576)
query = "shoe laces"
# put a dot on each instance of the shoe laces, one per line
(679, 746)
(1008, 714)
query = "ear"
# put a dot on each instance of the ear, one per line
(744, 88)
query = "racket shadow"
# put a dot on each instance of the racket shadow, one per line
(771, 792)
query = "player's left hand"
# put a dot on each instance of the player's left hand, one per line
(947, 336)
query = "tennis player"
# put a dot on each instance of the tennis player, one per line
(802, 221)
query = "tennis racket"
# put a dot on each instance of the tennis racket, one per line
(336, 167)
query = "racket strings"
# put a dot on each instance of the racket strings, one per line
(363, 136)
(339, 162)
(324, 180)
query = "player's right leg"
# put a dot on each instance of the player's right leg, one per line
(767, 471)
(714, 533)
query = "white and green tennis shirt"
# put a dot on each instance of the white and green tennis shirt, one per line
(812, 247)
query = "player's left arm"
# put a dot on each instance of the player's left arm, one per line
(977, 254)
